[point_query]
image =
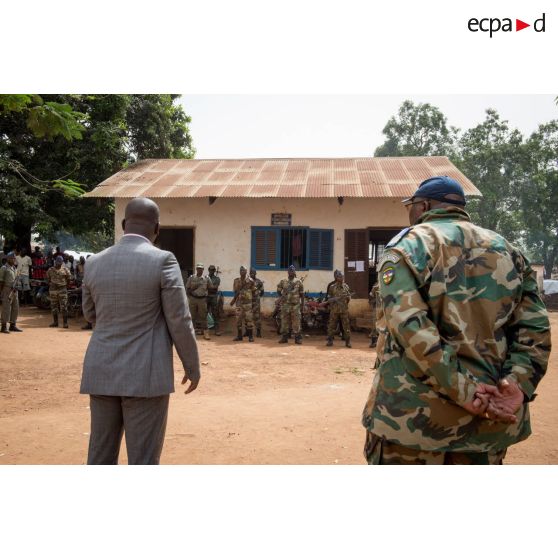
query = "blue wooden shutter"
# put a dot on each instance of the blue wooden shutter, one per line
(320, 248)
(264, 247)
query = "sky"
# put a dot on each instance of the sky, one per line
(282, 126)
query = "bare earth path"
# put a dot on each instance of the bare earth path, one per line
(257, 403)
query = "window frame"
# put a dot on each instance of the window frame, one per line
(278, 229)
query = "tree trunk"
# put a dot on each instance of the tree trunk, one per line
(22, 232)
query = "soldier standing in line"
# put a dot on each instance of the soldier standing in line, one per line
(197, 287)
(58, 278)
(244, 291)
(256, 302)
(291, 291)
(339, 295)
(10, 302)
(465, 344)
(375, 308)
(213, 297)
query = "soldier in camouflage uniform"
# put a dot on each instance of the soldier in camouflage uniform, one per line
(213, 297)
(197, 287)
(338, 297)
(464, 339)
(291, 291)
(8, 294)
(374, 296)
(58, 279)
(244, 291)
(256, 302)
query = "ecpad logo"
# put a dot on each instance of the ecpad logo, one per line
(493, 25)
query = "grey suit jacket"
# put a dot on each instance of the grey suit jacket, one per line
(134, 294)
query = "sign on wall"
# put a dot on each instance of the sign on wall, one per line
(281, 219)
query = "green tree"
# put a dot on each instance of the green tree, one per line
(158, 128)
(45, 167)
(538, 196)
(417, 130)
(492, 156)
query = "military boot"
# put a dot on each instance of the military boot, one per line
(258, 332)
(217, 332)
(284, 338)
(348, 343)
(4, 328)
(298, 339)
(13, 327)
(329, 342)
(250, 336)
(206, 334)
(54, 320)
(238, 335)
(65, 320)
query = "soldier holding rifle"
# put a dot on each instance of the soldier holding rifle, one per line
(10, 302)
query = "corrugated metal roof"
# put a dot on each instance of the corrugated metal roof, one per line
(373, 177)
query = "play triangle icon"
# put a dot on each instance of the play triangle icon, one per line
(519, 25)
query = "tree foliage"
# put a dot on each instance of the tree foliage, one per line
(518, 177)
(53, 148)
(417, 129)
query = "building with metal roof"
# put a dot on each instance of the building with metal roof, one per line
(318, 214)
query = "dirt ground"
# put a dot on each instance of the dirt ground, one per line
(257, 402)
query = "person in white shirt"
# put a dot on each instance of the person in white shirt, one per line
(24, 264)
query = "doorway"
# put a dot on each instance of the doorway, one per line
(179, 241)
(363, 250)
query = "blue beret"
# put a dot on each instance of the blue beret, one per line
(59, 259)
(10, 255)
(292, 268)
(437, 188)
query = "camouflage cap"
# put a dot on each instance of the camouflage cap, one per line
(242, 268)
(338, 273)
(211, 267)
(199, 266)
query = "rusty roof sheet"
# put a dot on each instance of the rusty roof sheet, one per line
(364, 177)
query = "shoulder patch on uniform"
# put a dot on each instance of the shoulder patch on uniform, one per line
(387, 275)
(390, 257)
(398, 237)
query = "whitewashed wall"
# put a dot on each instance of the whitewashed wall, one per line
(223, 230)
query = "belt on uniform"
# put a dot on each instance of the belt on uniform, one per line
(196, 296)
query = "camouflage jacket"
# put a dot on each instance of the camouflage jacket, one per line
(258, 293)
(245, 288)
(290, 290)
(342, 293)
(460, 306)
(58, 278)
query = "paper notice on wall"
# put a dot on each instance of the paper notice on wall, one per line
(351, 264)
(360, 266)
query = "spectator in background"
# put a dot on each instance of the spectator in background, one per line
(24, 265)
(49, 259)
(39, 268)
(80, 270)
(58, 252)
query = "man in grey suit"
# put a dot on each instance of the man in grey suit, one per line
(134, 294)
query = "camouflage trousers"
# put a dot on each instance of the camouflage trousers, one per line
(213, 307)
(10, 309)
(58, 301)
(290, 318)
(256, 312)
(198, 309)
(244, 315)
(336, 314)
(381, 452)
